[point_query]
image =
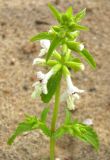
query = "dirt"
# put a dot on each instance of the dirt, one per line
(19, 20)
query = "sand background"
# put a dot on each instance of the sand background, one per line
(21, 19)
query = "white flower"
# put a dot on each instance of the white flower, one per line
(39, 61)
(40, 75)
(71, 101)
(81, 47)
(71, 88)
(88, 122)
(44, 79)
(72, 93)
(37, 90)
(41, 85)
(45, 44)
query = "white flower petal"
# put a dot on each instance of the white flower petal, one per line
(71, 88)
(70, 103)
(49, 74)
(35, 84)
(38, 61)
(76, 96)
(81, 47)
(45, 44)
(37, 90)
(42, 52)
(44, 88)
(40, 75)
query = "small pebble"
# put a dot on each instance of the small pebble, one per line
(88, 122)
(25, 87)
(3, 23)
(3, 36)
(92, 89)
(12, 62)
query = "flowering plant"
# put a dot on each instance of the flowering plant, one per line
(58, 45)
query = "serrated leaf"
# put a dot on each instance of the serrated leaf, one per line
(44, 114)
(79, 16)
(55, 12)
(29, 124)
(85, 133)
(88, 57)
(52, 85)
(55, 42)
(40, 36)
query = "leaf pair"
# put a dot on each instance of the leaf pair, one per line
(78, 130)
(31, 123)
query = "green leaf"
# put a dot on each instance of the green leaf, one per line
(76, 60)
(44, 114)
(88, 57)
(78, 130)
(55, 12)
(79, 16)
(75, 26)
(69, 11)
(29, 124)
(85, 133)
(75, 46)
(53, 45)
(76, 66)
(52, 85)
(45, 129)
(57, 28)
(42, 35)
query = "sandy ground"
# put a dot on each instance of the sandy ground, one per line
(19, 20)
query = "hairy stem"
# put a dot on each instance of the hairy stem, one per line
(53, 123)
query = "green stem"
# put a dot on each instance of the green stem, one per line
(53, 123)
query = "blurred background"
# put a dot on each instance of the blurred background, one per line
(20, 20)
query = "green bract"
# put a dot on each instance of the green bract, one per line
(59, 51)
